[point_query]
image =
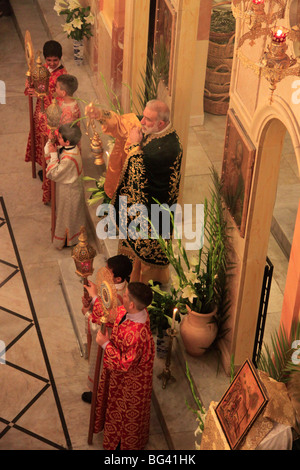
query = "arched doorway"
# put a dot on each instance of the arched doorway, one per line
(271, 136)
(281, 235)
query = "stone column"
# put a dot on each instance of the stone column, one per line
(184, 69)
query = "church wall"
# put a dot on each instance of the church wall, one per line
(98, 48)
(266, 125)
(197, 108)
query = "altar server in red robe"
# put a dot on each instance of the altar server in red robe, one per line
(52, 52)
(125, 388)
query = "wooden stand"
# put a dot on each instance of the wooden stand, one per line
(96, 383)
(166, 375)
(53, 209)
(32, 135)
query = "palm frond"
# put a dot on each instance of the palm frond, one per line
(279, 362)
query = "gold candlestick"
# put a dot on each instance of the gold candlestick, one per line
(166, 375)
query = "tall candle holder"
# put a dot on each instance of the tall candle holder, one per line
(166, 375)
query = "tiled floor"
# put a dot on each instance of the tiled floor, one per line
(26, 370)
(44, 375)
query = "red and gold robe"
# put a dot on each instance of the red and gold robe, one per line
(40, 126)
(92, 326)
(125, 388)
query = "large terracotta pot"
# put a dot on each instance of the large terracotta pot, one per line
(198, 331)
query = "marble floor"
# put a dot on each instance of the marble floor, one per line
(44, 373)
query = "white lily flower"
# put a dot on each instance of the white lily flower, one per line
(191, 276)
(188, 292)
(90, 19)
(73, 4)
(58, 9)
(59, 6)
(77, 23)
(68, 28)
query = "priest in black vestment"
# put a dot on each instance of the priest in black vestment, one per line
(150, 151)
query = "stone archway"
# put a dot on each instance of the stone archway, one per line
(270, 136)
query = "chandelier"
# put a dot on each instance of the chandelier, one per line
(264, 19)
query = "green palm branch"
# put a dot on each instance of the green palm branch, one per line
(279, 362)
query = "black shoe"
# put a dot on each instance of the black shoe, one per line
(87, 397)
(40, 173)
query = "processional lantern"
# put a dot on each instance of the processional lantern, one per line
(83, 254)
(53, 113)
(40, 79)
(108, 297)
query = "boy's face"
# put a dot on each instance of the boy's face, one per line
(60, 93)
(61, 141)
(127, 302)
(52, 62)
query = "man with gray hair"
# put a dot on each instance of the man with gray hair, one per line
(149, 153)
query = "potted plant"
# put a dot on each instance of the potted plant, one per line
(78, 25)
(200, 282)
(97, 194)
(219, 59)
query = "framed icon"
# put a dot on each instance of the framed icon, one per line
(241, 404)
(237, 170)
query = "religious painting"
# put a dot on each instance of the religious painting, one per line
(237, 171)
(164, 40)
(241, 404)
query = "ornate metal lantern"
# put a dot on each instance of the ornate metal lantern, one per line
(53, 113)
(83, 255)
(40, 79)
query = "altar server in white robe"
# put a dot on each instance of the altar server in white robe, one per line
(65, 168)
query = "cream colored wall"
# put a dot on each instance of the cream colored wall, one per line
(184, 69)
(104, 52)
(266, 125)
(197, 109)
(108, 11)
(135, 48)
(198, 79)
(98, 48)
